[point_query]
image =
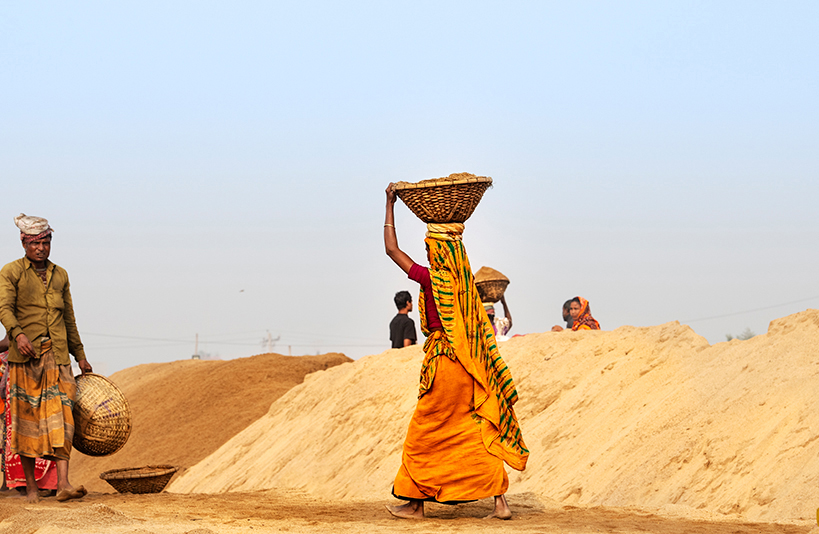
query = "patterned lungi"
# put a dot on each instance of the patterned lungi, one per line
(41, 399)
(45, 471)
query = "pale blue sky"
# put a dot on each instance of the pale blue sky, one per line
(656, 158)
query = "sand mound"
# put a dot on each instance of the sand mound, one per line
(648, 417)
(185, 410)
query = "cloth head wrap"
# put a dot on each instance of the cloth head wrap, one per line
(32, 228)
(489, 307)
(584, 316)
(445, 231)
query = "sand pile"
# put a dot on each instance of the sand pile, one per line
(40, 519)
(185, 410)
(648, 417)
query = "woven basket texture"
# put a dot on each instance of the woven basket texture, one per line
(148, 479)
(102, 416)
(444, 200)
(491, 290)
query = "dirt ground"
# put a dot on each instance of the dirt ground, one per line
(167, 513)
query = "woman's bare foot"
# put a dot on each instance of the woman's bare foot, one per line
(501, 510)
(32, 496)
(414, 509)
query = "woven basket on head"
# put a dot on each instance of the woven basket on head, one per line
(491, 284)
(102, 417)
(444, 200)
(148, 479)
(491, 290)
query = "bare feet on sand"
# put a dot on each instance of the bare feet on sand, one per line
(42, 493)
(412, 510)
(68, 494)
(501, 510)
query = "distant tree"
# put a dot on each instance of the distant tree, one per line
(744, 336)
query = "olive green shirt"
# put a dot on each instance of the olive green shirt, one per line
(36, 310)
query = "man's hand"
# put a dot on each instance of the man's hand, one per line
(85, 367)
(24, 346)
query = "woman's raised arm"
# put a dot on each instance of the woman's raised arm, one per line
(390, 239)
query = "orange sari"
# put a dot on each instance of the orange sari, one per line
(464, 427)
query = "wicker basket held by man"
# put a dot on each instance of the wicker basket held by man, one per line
(464, 426)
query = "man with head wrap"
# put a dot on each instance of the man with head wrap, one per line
(38, 314)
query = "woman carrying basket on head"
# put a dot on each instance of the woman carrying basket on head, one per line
(464, 427)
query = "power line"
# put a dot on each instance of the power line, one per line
(749, 311)
(167, 342)
(308, 345)
(140, 338)
(206, 340)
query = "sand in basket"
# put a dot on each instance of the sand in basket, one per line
(444, 200)
(491, 284)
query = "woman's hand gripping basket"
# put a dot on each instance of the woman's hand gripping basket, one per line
(102, 416)
(444, 200)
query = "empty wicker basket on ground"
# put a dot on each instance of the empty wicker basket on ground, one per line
(102, 417)
(444, 200)
(491, 284)
(148, 479)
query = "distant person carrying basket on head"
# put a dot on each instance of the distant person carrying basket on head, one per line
(492, 286)
(501, 325)
(464, 426)
(37, 311)
(402, 328)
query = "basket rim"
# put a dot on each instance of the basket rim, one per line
(403, 186)
(110, 383)
(122, 473)
(483, 280)
(83, 375)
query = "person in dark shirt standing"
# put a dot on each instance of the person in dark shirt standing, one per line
(402, 328)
